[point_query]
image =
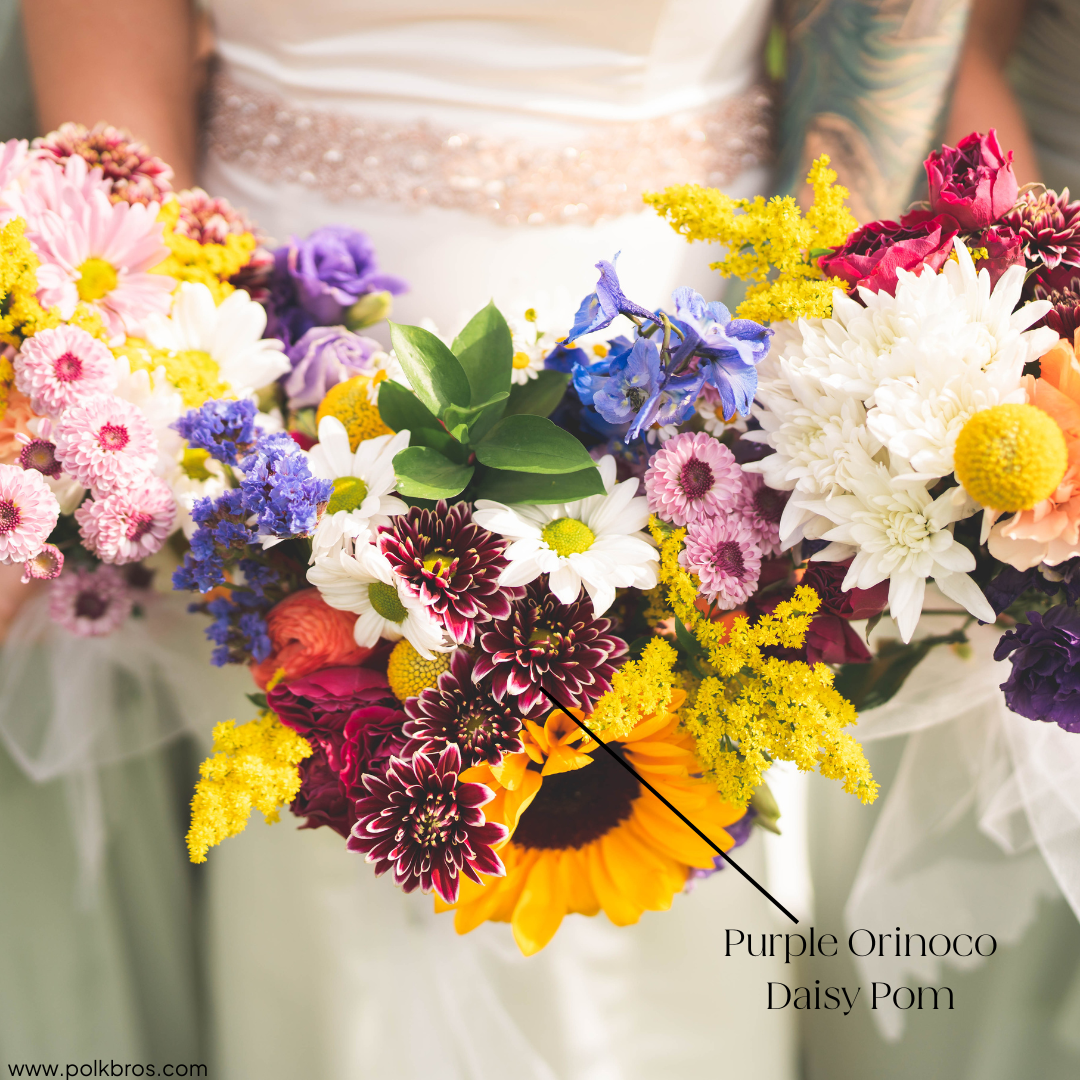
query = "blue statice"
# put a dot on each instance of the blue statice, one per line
(727, 350)
(279, 490)
(598, 309)
(221, 535)
(239, 629)
(224, 428)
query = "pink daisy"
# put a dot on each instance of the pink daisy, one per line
(761, 507)
(105, 443)
(691, 478)
(28, 513)
(94, 250)
(39, 454)
(90, 603)
(723, 552)
(58, 368)
(45, 565)
(129, 524)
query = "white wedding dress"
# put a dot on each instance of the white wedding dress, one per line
(496, 150)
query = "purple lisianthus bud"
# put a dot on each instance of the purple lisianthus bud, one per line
(323, 357)
(973, 182)
(871, 255)
(1045, 656)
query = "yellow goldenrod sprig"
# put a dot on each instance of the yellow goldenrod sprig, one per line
(753, 709)
(769, 242)
(639, 688)
(254, 766)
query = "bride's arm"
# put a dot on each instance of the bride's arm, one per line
(983, 98)
(131, 63)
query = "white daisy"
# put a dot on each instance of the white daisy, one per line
(531, 346)
(362, 480)
(230, 334)
(364, 583)
(895, 530)
(597, 542)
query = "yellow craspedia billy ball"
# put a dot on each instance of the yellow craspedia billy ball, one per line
(1010, 457)
(408, 672)
(348, 401)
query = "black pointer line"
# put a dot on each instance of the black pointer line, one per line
(683, 818)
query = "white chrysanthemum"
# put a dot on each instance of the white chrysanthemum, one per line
(229, 333)
(364, 583)
(597, 542)
(363, 482)
(895, 530)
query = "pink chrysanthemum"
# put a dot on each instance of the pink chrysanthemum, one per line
(129, 524)
(105, 443)
(90, 603)
(137, 176)
(94, 250)
(60, 367)
(761, 507)
(723, 553)
(39, 454)
(691, 478)
(209, 220)
(47, 564)
(28, 513)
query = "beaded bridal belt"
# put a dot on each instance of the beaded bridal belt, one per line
(603, 175)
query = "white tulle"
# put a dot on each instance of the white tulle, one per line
(982, 819)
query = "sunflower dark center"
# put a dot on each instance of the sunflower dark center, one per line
(729, 559)
(572, 809)
(695, 478)
(769, 504)
(90, 605)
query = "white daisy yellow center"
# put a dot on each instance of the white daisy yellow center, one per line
(96, 279)
(386, 602)
(521, 360)
(568, 536)
(349, 494)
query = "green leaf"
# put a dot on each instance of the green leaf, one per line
(517, 487)
(432, 369)
(401, 409)
(538, 396)
(423, 473)
(531, 444)
(455, 414)
(485, 350)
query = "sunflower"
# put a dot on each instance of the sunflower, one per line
(585, 835)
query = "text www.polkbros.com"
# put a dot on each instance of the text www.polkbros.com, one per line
(101, 1067)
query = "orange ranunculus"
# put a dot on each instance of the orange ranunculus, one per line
(307, 635)
(1050, 531)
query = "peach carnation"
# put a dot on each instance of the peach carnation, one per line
(1050, 532)
(307, 635)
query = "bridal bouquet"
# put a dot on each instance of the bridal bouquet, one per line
(124, 304)
(514, 608)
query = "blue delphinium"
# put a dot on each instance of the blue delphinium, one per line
(224, 428)
(598, 309)
(279, 489)
(728, 350)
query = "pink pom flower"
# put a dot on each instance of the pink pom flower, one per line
(90, 603)
(761, 507)
(691, 478)
(28, 513)
(105, 443)
(59, 368)
(722, 551)
(129, 524)
(44, 566)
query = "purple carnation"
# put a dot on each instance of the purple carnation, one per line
(316, 279)
(323, 357)
(1045, 655)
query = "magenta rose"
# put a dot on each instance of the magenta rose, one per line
(832, 640)
(1004, 248)
(873, 254)
(321, 798)
(973, 182)
(825, 578)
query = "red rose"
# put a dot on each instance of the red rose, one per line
(871, 255)
(832, 640)
(825, 579)
(974, 182)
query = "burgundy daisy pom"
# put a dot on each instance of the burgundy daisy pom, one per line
(549, 650)
(451, 564)
(1049, 229)
(419, 819)
(459, 711)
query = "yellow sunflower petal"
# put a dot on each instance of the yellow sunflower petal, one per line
(580, 897)
(636, 870)
(618, 907)
(540, 908)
